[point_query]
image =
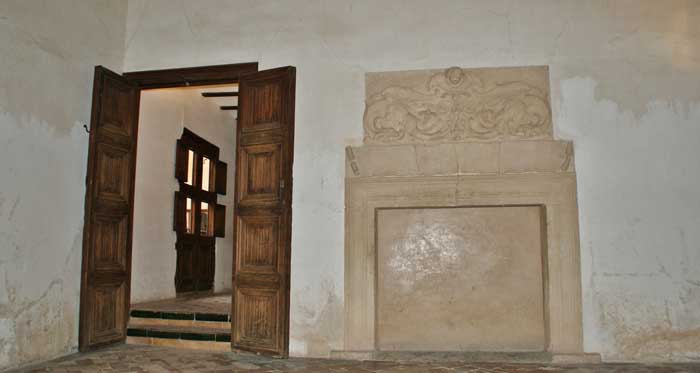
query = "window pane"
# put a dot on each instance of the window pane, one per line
(189, 217)
(204, 229)
(205, 173)
(190, 167)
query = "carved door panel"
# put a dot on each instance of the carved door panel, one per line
(106, 266)
(263, 211)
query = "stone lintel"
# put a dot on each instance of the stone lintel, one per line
(460, 158)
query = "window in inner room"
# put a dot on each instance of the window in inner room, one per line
(198, 218)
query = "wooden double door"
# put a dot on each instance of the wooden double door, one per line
(261, 213)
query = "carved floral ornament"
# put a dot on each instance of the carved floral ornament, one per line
(457, 105)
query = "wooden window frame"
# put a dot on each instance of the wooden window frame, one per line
(196, 247)
(189, 141)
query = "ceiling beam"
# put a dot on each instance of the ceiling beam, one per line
(219, 94)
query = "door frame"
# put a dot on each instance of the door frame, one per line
(145, 80)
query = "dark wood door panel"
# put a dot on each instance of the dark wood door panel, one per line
(259, 242)
(206, 262)
(262, 212)
(106, 267)
(115, 117)
(113, 164)
(261, 169)
(196, 263)
(107, 278)
(109, 319)
(259, 280)
(262, 103)
(109, 239)
(184, 271)
(257, 316)
(264, 137)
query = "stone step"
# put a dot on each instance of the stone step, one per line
(205, 338)
(140, 317)
(170, 315)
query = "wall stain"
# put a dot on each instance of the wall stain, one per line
(319, 327)
(649, 334)
(37, 329)
(660, 343)
(13, 208)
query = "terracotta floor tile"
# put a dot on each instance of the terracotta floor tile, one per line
(130, 358)
(216, 304)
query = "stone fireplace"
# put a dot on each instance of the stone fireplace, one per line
(461, 219)
(448, 279)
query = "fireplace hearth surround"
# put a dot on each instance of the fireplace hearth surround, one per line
(462, 138)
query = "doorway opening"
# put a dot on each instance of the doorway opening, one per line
(128, 213)
(181, 250)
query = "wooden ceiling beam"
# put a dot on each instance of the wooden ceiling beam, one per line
(220, 94)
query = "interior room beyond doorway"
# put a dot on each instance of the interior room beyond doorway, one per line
(182, 251)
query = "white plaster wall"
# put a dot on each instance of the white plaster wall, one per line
(624, 75)
(163, 114)
(48, 50)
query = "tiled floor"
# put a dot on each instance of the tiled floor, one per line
(130, 358)
(217, 303)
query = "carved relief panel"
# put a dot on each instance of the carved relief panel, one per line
(457, 104)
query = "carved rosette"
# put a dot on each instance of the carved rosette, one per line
(458, 105)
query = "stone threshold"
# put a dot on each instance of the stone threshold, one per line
(180, 343)
(537, 357)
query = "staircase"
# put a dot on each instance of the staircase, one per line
(193, 330)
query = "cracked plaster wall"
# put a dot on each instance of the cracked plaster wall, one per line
(48, 50)
(624, 76)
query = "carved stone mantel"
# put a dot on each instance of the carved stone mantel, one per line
(463, 158)
(462, 138)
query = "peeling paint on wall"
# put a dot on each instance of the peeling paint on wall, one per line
(40, 251)
(44, 44)
(637, 336)
(318, 328)
(624, 88)
(48, 50)
(639, 213)
(624, 82)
